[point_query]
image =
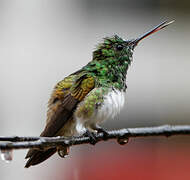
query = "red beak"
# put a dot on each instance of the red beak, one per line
(155, 29)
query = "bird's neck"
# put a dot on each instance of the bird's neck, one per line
(110, 72)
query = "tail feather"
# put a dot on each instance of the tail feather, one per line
(36, 156)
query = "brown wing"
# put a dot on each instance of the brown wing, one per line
(67, 94)
(65, 97)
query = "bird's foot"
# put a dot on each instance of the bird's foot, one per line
(105, 133)
(92, 137)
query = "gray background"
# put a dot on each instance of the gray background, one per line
(41, 42)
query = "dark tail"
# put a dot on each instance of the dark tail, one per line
(36, 156)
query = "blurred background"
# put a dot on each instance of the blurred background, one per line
(42, 41)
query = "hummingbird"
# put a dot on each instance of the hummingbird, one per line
(86, 98)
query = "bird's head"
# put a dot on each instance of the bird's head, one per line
(119, 49)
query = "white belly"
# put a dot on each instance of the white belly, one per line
(113, 103)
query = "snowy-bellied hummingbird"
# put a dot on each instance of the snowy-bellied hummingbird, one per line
(84, 99)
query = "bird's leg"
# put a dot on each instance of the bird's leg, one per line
(92, 137)
(101, 130)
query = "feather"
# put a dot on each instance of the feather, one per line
(65, 97)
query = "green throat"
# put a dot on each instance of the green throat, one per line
(110, 63)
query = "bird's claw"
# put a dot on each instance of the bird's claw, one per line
(105, 133)
(92, 137)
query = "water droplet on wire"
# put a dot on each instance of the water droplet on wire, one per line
(123, 141)
(7, 155)
(63, 152)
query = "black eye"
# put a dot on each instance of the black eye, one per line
(119, 47)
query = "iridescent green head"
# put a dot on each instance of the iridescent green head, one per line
(114, 47)
(120, 49)
(112, 58)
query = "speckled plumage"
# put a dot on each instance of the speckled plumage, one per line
(84, 99)
(89, 96)
(94, 87)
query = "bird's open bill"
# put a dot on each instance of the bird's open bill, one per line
(155, 29)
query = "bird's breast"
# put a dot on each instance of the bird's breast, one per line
(98, 106)
(111, 106)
